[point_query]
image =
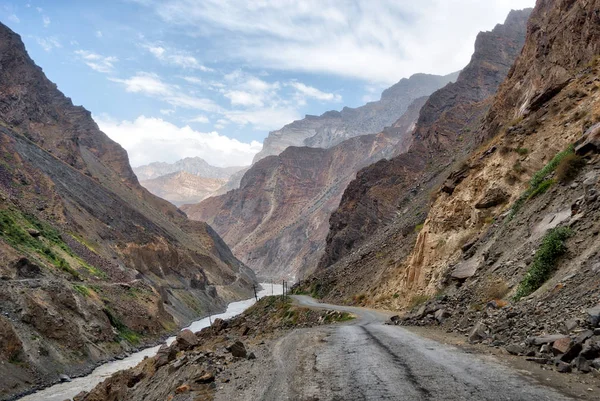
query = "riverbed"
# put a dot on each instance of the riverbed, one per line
(63, 391)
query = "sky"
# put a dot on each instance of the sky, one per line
(169, 79)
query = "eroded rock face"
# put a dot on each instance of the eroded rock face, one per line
(88, 257)
(333, 127)
(444, 133)
(277, 220)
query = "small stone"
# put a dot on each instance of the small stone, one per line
(514, 349)
(571, 324)
(478, 333)
(564, 367)
(395, 319)
(540, 360)
(561, 345)
(206, 377)
(182, 389)
(441, 315)
(64, 378)
(219, 325)
(34, 233)
(581, 364)
(594, 315)
(237, 349)
(545, 339)
(80, 396)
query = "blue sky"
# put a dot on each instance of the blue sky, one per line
(177, 78)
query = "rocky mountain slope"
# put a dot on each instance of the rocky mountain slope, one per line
(333, 127)
(443, 133)
(192, 165)
(182, 187)
(92, 264)
(277, 220)
(509, 253)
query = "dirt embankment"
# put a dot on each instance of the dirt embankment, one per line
(196, 365)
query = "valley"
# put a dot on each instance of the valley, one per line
(438, 241)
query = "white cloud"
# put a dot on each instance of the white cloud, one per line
(175, 57)
(314, 93)
(193, 80)
(14, 18)
(199, 119)
(49, 43)
(376, 41)
(46, 21)
(153, 139)
(99, 34)
(263, 119)
(151, 85)
(167, 112)
(97, 62)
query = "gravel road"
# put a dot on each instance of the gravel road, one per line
(367, 360)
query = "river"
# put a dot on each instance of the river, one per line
(63, 391)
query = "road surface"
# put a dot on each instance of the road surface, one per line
(367, 360)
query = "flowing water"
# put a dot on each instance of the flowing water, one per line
(63, 391)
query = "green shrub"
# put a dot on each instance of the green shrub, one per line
(553, 246)
(540, 189)
(418, 227)
(538, 183)
(522, 151)
(82, 289)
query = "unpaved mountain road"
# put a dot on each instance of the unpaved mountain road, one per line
(367, 360)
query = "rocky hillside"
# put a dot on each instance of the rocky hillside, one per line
(192, 165)
(182, 187)
(92, 264)
(443, 135)
(333, 127)
(509, 253)
(277, 220)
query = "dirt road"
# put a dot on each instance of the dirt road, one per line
(367, 360)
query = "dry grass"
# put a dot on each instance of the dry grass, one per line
(569, 167)
(495, 290)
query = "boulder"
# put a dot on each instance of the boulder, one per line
(219, 325)
(251, 356)
(395, 319)
(564, 367)
(581, 364)
(205, 377)
(186, 340)
(441, 315)
(561, 345)
(479, 333)
(237, 349)
(184, 388)
(571, 324)
(164, 355)
(594, 315)
(572, 353)
(64, 378)
(590, 142)
(514, 349)
(80, 396)
(549, 339)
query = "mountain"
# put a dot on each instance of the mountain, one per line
(506, 249)
(192, 165)
(333, 127)
(277, 220)
(182, 187)
(442, 137)
(92, 264)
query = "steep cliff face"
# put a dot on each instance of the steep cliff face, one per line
(444, 134)
(276, 221)
(509, 249)
(547, 104)
(92, 264)
(182, 187)
(333, 127)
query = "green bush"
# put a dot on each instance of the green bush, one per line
(522, 151)
(82, 289)
(538, 183)
(553, 246)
